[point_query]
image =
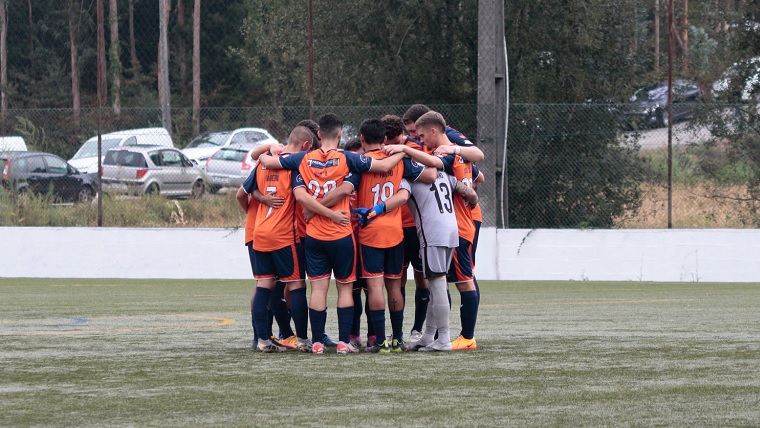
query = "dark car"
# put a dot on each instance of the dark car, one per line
(43, 173)
(648, 108)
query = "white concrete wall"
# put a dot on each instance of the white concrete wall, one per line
(715, 255)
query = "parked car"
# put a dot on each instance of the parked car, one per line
(43, 173)
(206, 144)
(229, 166)
(649, 104)
(12, 144)
(148, 170)
(86, 158)
(739, 83)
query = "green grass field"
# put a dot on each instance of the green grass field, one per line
(178, 353)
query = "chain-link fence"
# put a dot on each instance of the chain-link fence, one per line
(575, 165)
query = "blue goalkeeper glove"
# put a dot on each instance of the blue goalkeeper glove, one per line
(365, 215)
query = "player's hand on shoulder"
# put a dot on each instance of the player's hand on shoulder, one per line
(271, 200)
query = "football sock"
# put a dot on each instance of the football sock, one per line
(318, 320)
(421, 298)
(431, 328)
(253, 324)
(448, 293)
(397, 324)
(260, 319)
(280, 310)
(356, 324)
(299, 310)
(370, 327)
(345, 318)
(440, 307)
(468, 313)
(378, 322)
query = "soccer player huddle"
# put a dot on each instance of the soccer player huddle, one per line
(400, 194)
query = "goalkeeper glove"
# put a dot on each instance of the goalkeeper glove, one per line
(365, 215)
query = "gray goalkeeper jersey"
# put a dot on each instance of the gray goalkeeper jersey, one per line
(432, 206)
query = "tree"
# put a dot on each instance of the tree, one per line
(196, 66)
(163, 64)
(3, 62)
(102, 68)
(74, 58)
(114, 57)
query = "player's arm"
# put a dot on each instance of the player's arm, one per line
(467, 192)
(470, 153)
(418, 155)
(308, 202)
(331, 198)
(270, 162)
(269, 199)
(274, 148)
(428, 175)
(385, 165)
(242, 198)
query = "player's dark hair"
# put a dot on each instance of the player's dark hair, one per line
(314, 128)
(373, 131)
(299, 134)
(394, 126)
(329, 125)
(415, 112)
(353, 145)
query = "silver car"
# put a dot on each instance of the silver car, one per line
(146, 170)
(229, 166)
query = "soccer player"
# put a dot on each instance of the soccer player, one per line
(381, 241)
(278, 252)
(394, 134)
(436, 223)
(329, 243)
(431, 129)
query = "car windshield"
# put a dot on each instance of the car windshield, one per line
(235, 155)
(90, 148)
(211, 139)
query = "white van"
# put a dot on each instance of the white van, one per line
(12, 144)
(86, 158)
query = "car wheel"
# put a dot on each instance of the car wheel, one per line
(152, 189)
(663, 118)
(86, 194)
(199, 188)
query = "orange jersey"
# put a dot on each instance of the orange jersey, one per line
(275, 227)
(477, 213)
(461, 169)
(322, 172)
(250, 219)
(384, 231)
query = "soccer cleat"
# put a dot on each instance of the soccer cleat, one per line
(462, 344)
(289, 342)
(422, 342)
(317, 348)
(414, 337)
(268, 348)
(436, 346)
(304, 345)
(356, 340)
(346, 348)
(381, 348)
(371, 340)
(398, 345)
(327, 341)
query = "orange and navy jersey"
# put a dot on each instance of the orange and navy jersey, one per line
(407, 219)
(253, 206)
(322, 172)
(459, 139)
(461, 169)
(384, 231)
(275, 227)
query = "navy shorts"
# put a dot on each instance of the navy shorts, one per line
(382, 262)
(285, 264)
(251, 256)
(475, 244)
(412, 248)
(461, 265)
(360, 282)
(326, 257)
